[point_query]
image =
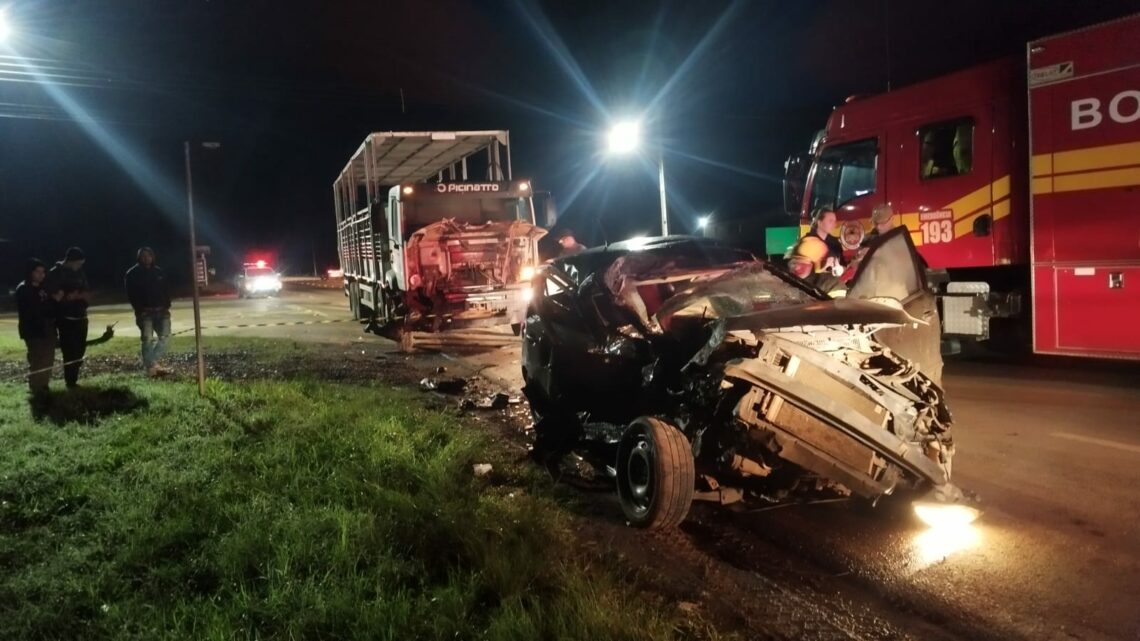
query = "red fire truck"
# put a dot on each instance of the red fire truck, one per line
(1019, 183)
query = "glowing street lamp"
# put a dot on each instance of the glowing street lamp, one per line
(624, 138)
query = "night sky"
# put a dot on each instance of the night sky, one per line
(290, 89)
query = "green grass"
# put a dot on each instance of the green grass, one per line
(286, 510)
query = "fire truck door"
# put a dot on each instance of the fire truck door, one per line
(1098, 308)
(948, 187)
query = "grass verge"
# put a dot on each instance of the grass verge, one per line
(286, 510)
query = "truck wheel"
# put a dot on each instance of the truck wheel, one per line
(655, 474)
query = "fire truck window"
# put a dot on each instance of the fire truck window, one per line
(946, 149)
(843, 173)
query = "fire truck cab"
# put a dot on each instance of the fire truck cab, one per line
(1020, 187)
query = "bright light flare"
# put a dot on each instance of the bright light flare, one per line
(408, 189)
(703, 222)
(945, 516)
(6, 29)
(526, 273)
(624, 137)
(637, 243)
(261, 264)
(527, 295)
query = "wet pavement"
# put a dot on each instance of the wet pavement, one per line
(1053, 450)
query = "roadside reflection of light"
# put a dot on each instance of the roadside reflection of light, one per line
(939, 516)
(936, 544)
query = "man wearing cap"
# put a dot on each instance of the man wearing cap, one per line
(148, 294)
(882, 221)
(569, 245)
(67, 283)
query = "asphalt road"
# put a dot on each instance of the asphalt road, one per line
(1054, 452)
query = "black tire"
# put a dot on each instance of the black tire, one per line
(655, 474)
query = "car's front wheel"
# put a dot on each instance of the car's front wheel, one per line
(655, 474)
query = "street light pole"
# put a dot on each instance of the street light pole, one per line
(661, 189)
(194, 275)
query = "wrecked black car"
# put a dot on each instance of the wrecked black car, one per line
(692, 370)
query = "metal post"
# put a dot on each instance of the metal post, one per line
(194, 275)
(661, 189)
(508, 149)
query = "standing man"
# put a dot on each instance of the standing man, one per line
(37, 326)
(67, 283)
(883, 219)
(569, 245)
(147, 292)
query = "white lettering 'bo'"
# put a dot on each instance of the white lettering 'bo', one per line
(1124, 108)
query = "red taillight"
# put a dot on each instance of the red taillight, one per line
(455, 297)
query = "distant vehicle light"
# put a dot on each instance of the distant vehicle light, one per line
(408, 189)
(703, 222)
(526, 273)
(260, 264)
(336, 273)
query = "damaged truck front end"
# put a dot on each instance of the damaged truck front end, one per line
(701, 376)
(462, 273)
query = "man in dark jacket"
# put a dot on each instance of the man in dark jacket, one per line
(37, 326)
(67, 283)
(147, 292)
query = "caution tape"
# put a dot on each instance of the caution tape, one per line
(184, 331)
(282, 324)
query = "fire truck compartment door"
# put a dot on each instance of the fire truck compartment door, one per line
(1096, 308)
